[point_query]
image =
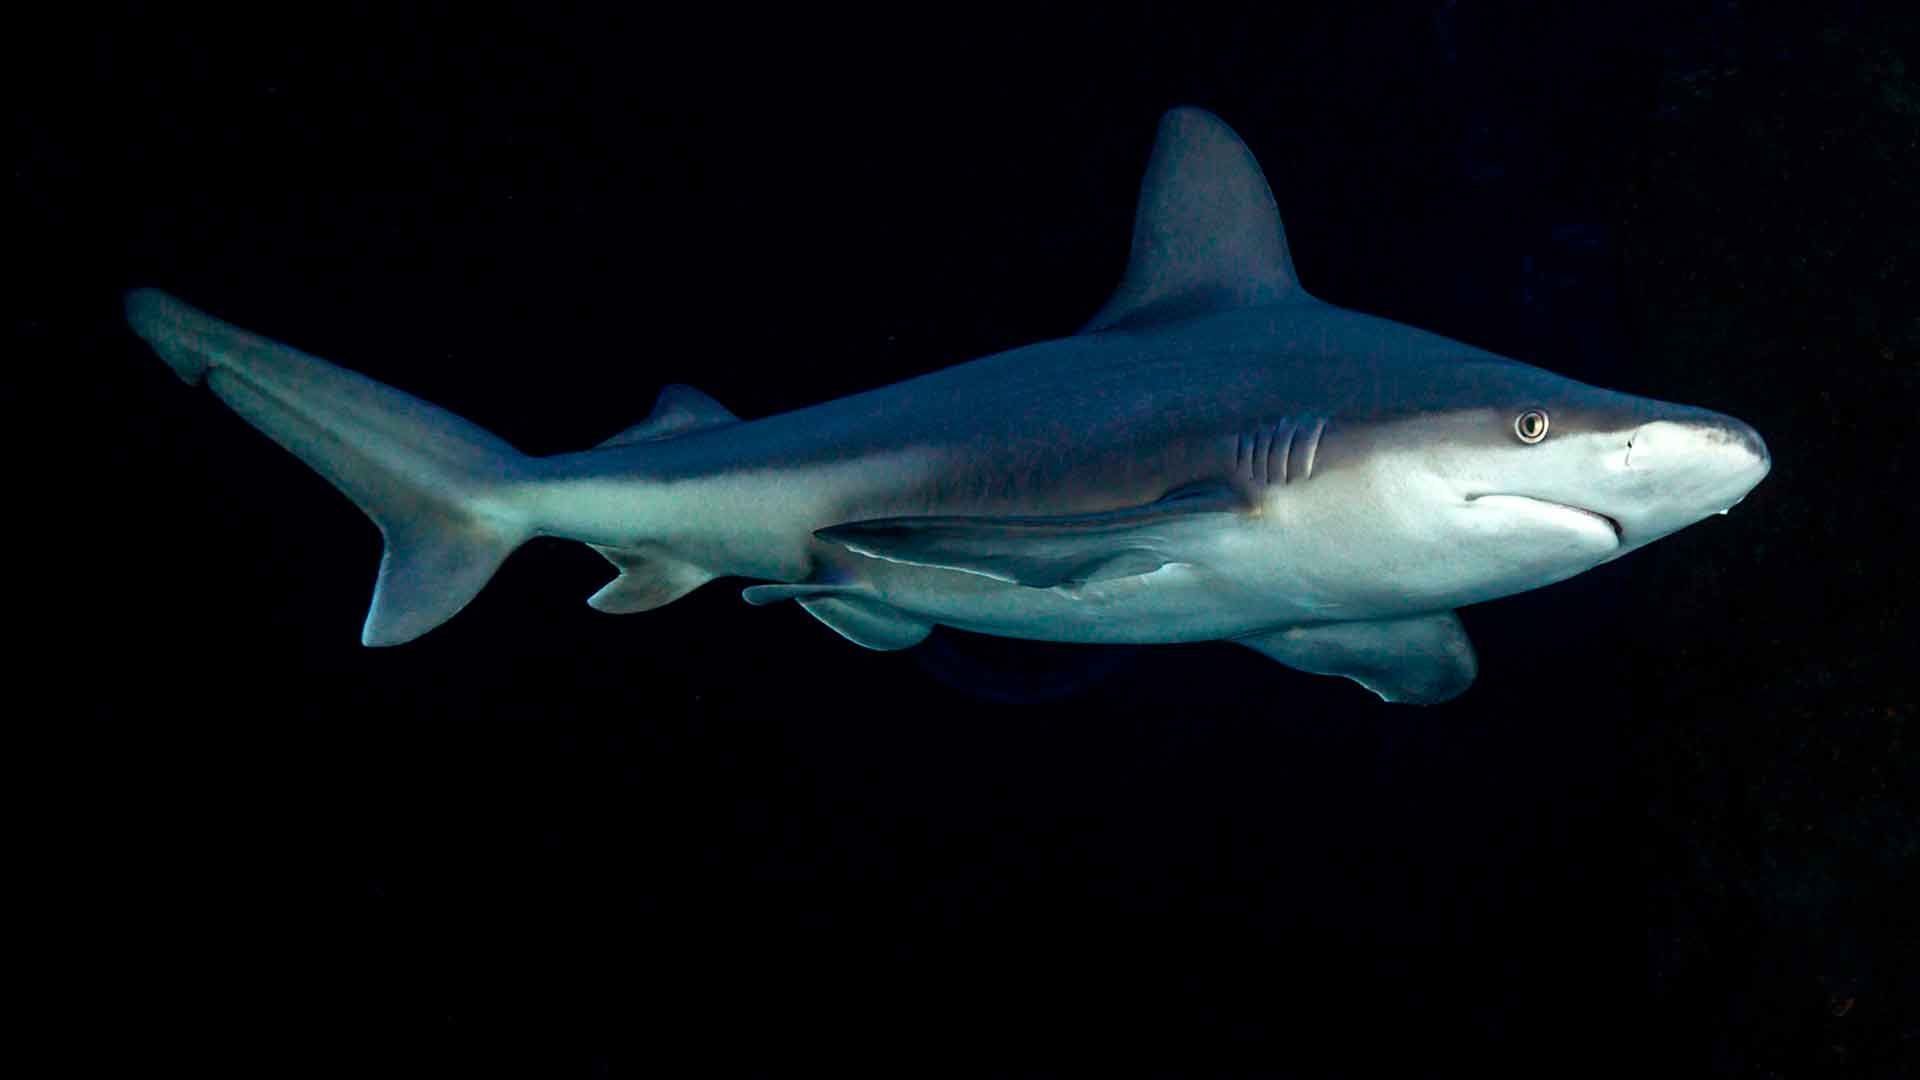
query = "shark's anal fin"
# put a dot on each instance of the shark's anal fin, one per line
(1206, 235)
(1043, 552)
(647, 580)
(1423, 660)
(860, 619)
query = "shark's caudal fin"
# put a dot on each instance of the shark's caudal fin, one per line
(439, 488)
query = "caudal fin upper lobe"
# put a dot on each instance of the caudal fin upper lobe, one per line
(440, 488)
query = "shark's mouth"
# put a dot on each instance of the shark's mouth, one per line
(1619, 534)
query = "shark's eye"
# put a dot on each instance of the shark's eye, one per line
(1531, 425)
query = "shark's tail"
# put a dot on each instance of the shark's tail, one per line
(440, 489)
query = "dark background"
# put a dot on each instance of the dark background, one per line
(1673, 827)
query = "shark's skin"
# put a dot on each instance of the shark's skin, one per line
(1216, 456)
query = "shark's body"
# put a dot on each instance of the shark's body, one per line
(1217, 455)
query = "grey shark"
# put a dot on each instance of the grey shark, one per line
(1216, 455)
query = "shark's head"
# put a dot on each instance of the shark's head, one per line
(1435, 474)
(1510, 477)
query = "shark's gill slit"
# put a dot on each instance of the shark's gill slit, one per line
(1313, 448)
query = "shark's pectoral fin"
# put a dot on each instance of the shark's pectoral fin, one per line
(1421, 661)
(647, 580)
(860, 619)
(1043, 552)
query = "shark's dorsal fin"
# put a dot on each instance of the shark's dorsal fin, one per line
(678, 410)
(1206, 235)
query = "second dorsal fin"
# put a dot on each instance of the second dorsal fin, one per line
(678, 410)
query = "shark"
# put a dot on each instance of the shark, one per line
(1217, 455)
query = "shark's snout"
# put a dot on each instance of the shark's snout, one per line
(1707, 443)
(1750, 459)
(1745, 438)
(1735, 448)
(1686, 467)
(1732, 443)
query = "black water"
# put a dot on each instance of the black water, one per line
(1671, 829)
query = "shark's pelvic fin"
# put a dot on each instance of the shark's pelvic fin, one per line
(867, 622)
(438, 487)
(1423, 661)
(1206, 235)
(762, 595)
(678, 410)
(1043, 552)
(860, 619)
